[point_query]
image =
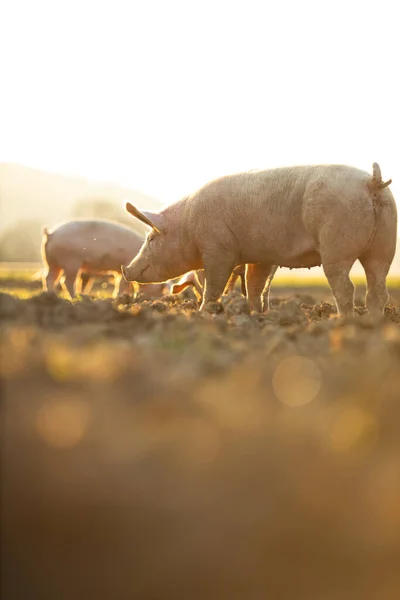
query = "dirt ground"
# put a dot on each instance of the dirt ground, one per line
(153, 452)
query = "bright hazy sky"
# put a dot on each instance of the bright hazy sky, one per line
(164, 96)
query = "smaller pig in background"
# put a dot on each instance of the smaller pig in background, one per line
(88, 247)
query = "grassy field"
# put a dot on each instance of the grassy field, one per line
(165, 454)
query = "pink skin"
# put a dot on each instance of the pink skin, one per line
(293, 217)
(149, 265)
(87, 246)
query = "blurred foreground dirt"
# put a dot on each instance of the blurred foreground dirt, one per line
(151, 452)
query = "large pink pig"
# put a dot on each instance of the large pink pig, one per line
(293, 217)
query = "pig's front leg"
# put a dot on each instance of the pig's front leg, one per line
(217, 272)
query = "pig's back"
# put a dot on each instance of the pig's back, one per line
(277, 214)
(93, 245)
(279, 190)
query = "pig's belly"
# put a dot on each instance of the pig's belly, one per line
(302, 252)
(303, 261)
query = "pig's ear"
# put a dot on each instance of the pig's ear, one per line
(151, 219)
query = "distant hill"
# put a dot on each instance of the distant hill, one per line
(27, 193)
(31, 199)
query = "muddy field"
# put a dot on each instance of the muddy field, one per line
(151, 452)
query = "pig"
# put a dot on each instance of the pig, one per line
(189, 279)
(87, 247)
(196, 280)
(301, 216)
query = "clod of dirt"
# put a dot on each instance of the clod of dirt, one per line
(393, 313)
(46, 299)
(235, 304)
(321, 311)
(10, 306)
(97, 310)
(214, 308)
(172, 298)
(189, 305)
(272, 316)
(158, 306)
(241, 320)
(290, 313)
(124, 299)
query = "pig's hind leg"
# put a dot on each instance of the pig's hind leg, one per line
(267, 289)
(256, 276)
(86, 283)
(72, 281)
(377, 260)
(79, 282)
(230, 286)
(50, 279)
(341, 285)
(377, 295)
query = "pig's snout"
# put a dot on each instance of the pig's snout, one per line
(124, 271)
(131, 273)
